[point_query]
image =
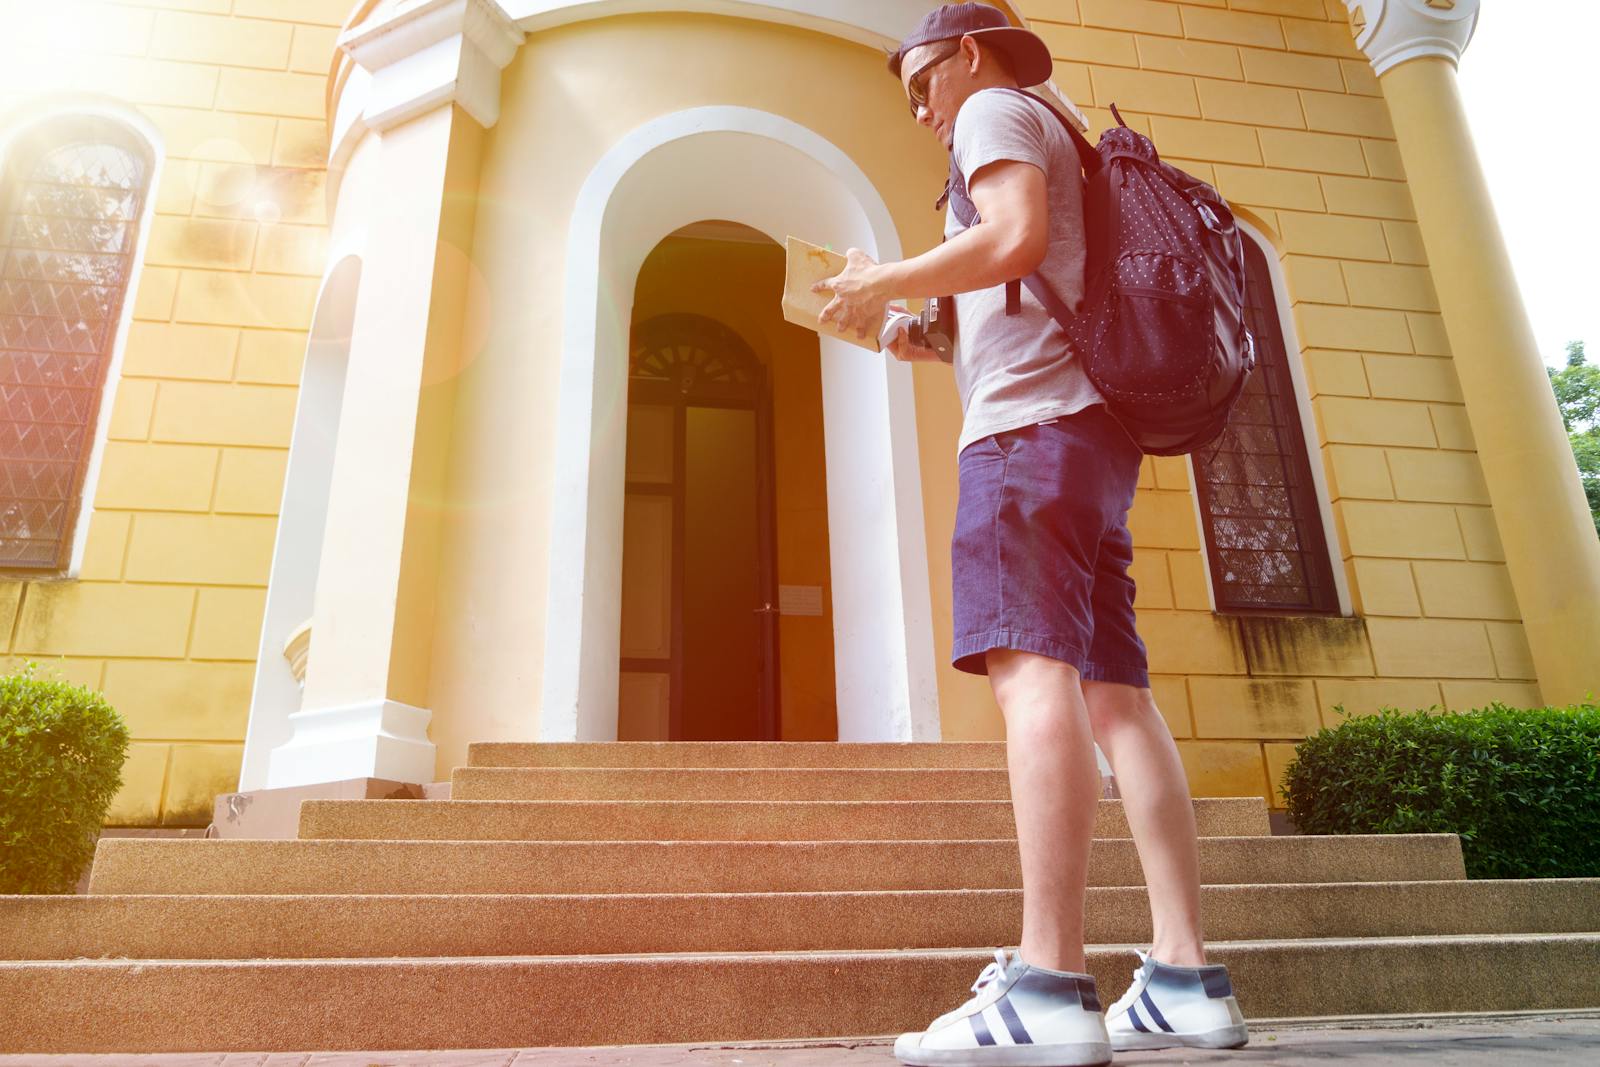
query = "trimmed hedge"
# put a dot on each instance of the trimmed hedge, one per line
(61, 753)
(1522, 788)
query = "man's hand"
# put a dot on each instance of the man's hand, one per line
(859, 296)
(902, 348)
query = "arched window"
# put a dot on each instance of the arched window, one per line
(72, 195)
(1265, 540)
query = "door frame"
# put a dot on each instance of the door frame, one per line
(756, 397)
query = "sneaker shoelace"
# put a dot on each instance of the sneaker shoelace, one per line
(993, 972)
(1134, 988)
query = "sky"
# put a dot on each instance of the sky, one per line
(1531, 86)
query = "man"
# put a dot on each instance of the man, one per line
(1042, 599)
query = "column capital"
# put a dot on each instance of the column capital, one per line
(422, 54)
(1393, 31)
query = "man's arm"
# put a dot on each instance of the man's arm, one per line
(1009, 243)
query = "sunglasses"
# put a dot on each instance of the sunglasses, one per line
(917, 86)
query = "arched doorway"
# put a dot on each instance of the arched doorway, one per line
(769, 174)
(699, 571)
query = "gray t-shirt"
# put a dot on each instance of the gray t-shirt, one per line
(1017, 370)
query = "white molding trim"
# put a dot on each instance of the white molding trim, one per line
(409, 69)
(17, 122)
(381, 739)
(1308, 429)
(276, 691)
(1391, 32)
(429, 54)
(778, 177)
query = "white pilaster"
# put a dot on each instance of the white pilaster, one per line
(420, 61)
(1392, 31)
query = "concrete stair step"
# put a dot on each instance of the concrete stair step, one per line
(732, 820)
(737, 754)
(326, 926)
(337, 866)
(724, 783)
(137, 1006)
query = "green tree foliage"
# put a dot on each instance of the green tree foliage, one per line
(61, 753)
(1577, 389)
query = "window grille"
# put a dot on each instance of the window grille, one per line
(73, 196)
(1265, 540)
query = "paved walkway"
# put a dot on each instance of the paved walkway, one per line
(1522, 1041)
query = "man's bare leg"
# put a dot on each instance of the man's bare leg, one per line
(1155, 796)
(1055, 784)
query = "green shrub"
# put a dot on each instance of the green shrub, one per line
(1522, 788)
(61, 754)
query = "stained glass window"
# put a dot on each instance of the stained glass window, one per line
(1263, 522)
(72, 198)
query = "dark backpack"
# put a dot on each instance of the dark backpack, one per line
(1161, 328)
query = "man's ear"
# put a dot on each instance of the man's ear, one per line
(971, 54)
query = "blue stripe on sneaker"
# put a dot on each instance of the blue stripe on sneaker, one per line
(1155, 1012)
(1019, 1033)
(980, 1029)
(1138, 1023)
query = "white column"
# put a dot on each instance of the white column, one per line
(433, 72)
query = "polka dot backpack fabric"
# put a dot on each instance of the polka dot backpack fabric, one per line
(1161, 328)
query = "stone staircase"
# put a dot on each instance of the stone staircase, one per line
(655, 893)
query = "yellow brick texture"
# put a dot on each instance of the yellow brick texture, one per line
(138, 802)
(203, 413)
(250, 481)
(1333, 373)
(1400, 530)
(269, 357)
(1358, 473)
(1386, 587)
(1359, 696)
(1253, 707)
(1467, 696)
(1186, 57)
(1191, 642)
(153, 477)
(1279, 757)
(201, 549)
(1481, 534)
(198, 774)
(171, 350)
(179, 539)
(227, 624)
(1511, 655)
(165, 700)
(1171, 694)
(106, 547)
(1440, 648)
(1224, 768)
(91, 619)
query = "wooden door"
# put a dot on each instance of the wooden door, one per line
(699, 621)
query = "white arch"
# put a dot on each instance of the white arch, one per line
(14, 126)
(778, 177)
(303, 514)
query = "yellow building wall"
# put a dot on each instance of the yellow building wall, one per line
(1268, 98)
(1271, 101)
(165, 616)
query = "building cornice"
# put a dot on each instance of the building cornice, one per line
(422, 54)
(1392, 32)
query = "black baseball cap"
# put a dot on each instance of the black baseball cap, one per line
(1030, 56)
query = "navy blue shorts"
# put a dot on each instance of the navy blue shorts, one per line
(1041, 549)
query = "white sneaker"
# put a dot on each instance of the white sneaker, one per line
(1022, 1016)
(1167, 1007)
